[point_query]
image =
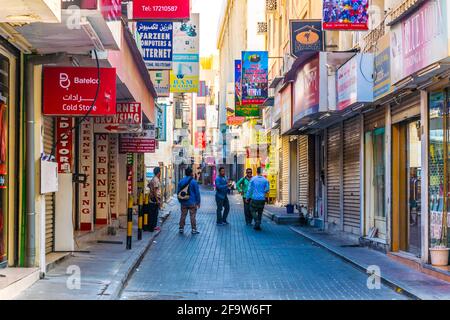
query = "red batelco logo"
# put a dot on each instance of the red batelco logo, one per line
(65, 82)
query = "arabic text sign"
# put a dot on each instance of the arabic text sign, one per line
(161, 9)
(70, 91)
(127, 118)
(345, 15)
(254, 83)
(156, 42)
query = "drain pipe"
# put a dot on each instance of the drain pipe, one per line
(30, 210)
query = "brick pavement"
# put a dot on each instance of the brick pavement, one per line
(235, 262)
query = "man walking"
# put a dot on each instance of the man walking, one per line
(154, 200)
(242, 187)
(222, 202)
(256, 196)
(189, 198)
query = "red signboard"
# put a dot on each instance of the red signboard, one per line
(200, 140)
(161, 9)
(64, 144)
(127, 118)
(130, 144)
(70, 91)
(111, 9)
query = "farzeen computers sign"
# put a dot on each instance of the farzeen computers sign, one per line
(70, 91)
(156, 42)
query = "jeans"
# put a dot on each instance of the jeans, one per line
(192, 212)
(247, 212)
(257, 208)
(153, 216)
(222, 203)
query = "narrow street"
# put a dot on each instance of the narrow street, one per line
(235, 262)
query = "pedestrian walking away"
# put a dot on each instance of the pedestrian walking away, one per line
(242, 187)
(189, 197)
(256, 196)
(154, 200)
(222, 187)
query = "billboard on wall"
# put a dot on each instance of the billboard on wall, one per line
(240, 110)
(70, 91)
(156, 40)
(255, 77)
(419, 40)
(161, 9)
(161, 83)
(285, 97)
(184, 76)
(345, 15)
(382, 61)
(306, 36)
(307, 90)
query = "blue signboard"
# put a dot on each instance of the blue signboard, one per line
(382, 81)
(254, 82)
(156, 40)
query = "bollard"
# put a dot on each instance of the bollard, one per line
(146, 212)
(140, 215)
(130, 222)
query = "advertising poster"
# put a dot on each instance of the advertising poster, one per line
(254, 82)
(156, 40)
(307, 90)
(248, 111)
(306, 36)
(161, 9)
(345, 15)
(184, 76)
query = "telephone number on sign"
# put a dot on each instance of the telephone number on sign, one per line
(163, 8)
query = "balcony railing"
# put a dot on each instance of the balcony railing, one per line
(369, 41)
(403, 10)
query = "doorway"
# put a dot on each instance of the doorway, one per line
(407, 172)
(293, 172)
(319, 211)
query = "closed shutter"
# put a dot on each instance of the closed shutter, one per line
(49, 138)
(285, 170)
(352, 174)
(405, 110)
(303, 181)
(375, 119)
(333, 174)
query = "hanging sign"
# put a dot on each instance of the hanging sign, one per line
(156, 42)
(241, 110)
(144, 142)
(306, 36)
(161, 82)
(161, 9)
(254, 82)
(64, 146)
(127, 119)
(345, 15)
(113, 177)
(70, 91)
(86, 167)
(101, 179)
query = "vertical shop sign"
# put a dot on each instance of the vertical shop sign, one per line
(64, 146)
(255, 81)
(241, 110)
(156, 44)
(101, 178)
(86, 167)
(130, 166)
(345, 15)
(113, 174)
(306, 36)
(382, 81)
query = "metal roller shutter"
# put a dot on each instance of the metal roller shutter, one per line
(352, 174)
(375, 119)
(405, 110)
(285, 170)
(333, 174)
(49, 138)
(303, 181)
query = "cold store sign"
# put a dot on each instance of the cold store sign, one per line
(128, 118)
(70, 91)
(161, 9)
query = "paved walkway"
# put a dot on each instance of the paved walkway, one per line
(236, 262)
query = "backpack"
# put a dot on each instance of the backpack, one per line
(184, 191)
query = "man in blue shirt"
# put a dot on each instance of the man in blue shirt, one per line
(191, 204)
(222, 198)
(256, 196)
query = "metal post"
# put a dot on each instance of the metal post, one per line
(140, 215)
(130, 222)
(146, 212)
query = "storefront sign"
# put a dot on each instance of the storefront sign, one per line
(306, 35)
(113, 174)
(144, 142)
(200, 140)
(130, 172)
(156, 40)
(286, 108)
(161, 119)
(354, 81)
(420, 40)
(307, 90)
(254, 82)
(161, 9)
(184, 76)
(70, 91)
(382, 81)
(273, 185)
(345, 14)
(128, 118)
(235, 121)
(161, 82)
(101, 178)
(240, 110)
(64, 146)
(86, 167)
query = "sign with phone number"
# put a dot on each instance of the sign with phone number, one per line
(161, 9)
